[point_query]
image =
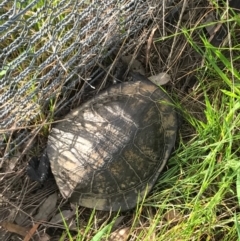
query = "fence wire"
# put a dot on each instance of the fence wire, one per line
(50, 48)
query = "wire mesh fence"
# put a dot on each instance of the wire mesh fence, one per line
(59, 48)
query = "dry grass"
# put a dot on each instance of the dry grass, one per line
(196, 196)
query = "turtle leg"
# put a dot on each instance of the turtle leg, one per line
(39, 169)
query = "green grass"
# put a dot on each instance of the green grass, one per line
(198, 197)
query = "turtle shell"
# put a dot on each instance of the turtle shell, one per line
(108, 153)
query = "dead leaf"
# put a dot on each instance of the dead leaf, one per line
(118, 220)
(160, 79)
(68, 216)
(22, 218)
(14, 228)
(47, 207)
(120, 235)
(31, 232)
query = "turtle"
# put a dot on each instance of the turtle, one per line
(108, 153)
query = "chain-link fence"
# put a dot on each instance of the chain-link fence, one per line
(54, 50)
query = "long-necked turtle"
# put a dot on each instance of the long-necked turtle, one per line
(108, 153)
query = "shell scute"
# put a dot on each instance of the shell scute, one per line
(108, 153)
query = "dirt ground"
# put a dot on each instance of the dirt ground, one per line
(162, 47)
